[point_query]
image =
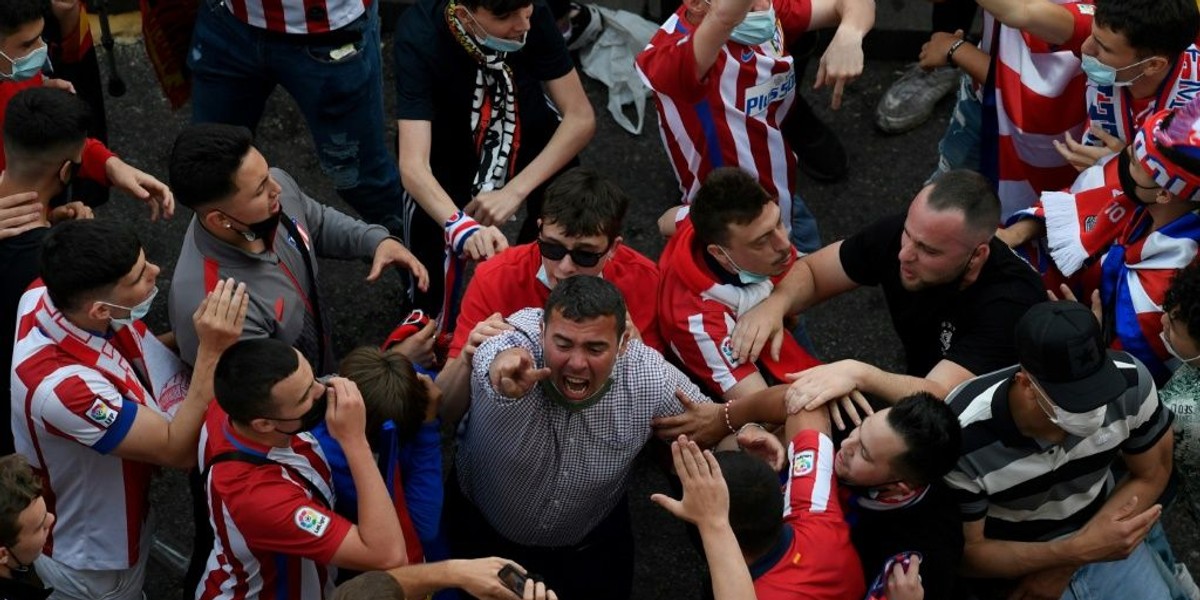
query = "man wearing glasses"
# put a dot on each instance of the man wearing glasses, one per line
(579, 234)
(1123, 231)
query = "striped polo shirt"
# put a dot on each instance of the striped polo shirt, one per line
(1030, 490)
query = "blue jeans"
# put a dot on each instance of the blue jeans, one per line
(236, 66)
(807, 239)
(804, 235)
(959, 146)
(1137, 576)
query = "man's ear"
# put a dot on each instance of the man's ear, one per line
(616, 243)
(261, 425)
(1164, 197)
(98, 311)
(714, 251)
(214, 220)
(982, 252)
(1157, 64)
(4, 554)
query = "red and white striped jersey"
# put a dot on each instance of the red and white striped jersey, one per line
(298, 16)
(75, 395)
(731, 117)
(274, 540)
(697, 314)
(1040, 97)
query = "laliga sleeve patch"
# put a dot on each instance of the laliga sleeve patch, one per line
(727, 350)
(802, 464)
(102, 413)
(1086, 9)
(312, 521)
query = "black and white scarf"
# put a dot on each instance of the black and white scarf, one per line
(493, 110)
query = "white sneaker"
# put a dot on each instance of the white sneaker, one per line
(911, 99)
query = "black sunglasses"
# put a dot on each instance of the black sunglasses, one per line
(583, 258)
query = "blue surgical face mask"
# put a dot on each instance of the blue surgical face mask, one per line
(746, 277)
(136, 313)
(758, 27)
(1102, 74)
(498, 44)
(26, 67)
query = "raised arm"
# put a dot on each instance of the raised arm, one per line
(155, 440)
(714, 31)
(843, 60)
(1042, 18)
(705, 503)
(377, 541)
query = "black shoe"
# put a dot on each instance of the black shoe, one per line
(819, 153)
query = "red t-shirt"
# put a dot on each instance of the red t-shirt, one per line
(820, 563)
(508, 282)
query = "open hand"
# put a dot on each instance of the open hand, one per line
(705, 498)
(219, 318)
(392, 252)
(142, 186)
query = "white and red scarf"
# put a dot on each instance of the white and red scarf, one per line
(137, 364)
(1034, 95)
(1097, 238)
(1112, 108)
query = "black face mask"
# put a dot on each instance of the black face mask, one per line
(261, 230)
(308, 420)
(1128, 185)
(19, 567)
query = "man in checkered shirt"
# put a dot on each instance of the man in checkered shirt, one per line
(560, 408)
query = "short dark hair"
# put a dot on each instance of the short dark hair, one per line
(496, 7)
(1152, 27)
(44, 127)
(583, 202)
(755, 501)
(372, 585)
(390, 389)
(245, 374)
(19, 487)
(1182, 300)
(729, 196)
(585, 297)
(81, 258)
(205, 160)
(15, 14)
(932, 435)
(971, 194)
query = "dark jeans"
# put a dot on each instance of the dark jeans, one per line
(600, 567)
(235, 67)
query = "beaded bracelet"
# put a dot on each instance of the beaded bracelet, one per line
(728, 424)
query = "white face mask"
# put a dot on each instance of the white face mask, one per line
(746, 277)
(1079, 425)
(1163, 336)
(136, 312)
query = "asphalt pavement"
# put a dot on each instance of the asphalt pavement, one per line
(886, 171)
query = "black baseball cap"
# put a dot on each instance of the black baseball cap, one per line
(1060, 344)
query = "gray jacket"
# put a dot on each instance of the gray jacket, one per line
(277, 279)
